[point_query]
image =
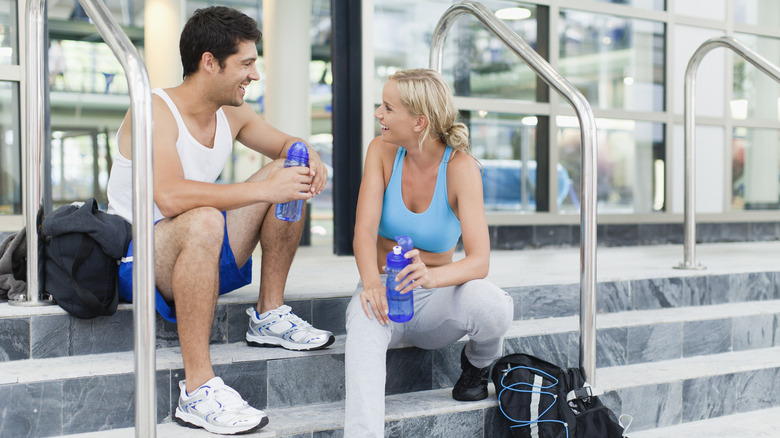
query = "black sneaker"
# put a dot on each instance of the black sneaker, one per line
(472, 385)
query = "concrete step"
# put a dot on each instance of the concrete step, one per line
(543, 282)
(653, 335)
(648, 312)
(762, 423)
(49, 331)
(273, 377)
(421, 414)
(690, 395)
(667, 393)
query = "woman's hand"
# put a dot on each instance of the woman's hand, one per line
(417, 273)
(376, 296)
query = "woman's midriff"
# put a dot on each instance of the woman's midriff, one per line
(431, 259)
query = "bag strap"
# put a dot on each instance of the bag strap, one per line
(536, 389)
(583, 393)
(86, 296)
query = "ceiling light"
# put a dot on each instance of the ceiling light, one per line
(513, 13)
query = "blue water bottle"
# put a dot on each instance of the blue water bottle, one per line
(401, 306)
(297, 155)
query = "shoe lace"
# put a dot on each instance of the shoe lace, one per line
(472, 377)
(286, 313)
(228, 397)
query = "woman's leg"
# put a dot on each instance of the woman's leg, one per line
(477, 308)
(365, 371)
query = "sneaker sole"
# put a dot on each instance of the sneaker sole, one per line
(469, 398)
(268, 341)
(192, 421)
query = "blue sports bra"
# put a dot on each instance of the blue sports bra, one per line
(437, 229)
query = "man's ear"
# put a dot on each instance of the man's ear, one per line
(209, 63)
(420, 123)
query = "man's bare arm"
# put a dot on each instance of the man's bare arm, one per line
(174, 194)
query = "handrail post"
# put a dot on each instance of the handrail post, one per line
(588, 137)
(689, 109)
(33, 134)
(143, 231)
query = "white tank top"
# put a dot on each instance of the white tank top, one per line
(199, 162)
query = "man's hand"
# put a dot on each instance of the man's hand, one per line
(317, 171)
(287, 183)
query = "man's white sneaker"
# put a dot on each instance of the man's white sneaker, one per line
(281, 327)
(218, 408)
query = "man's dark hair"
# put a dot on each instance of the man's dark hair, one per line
(218, 30)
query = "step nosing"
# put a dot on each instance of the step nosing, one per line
(676, 370)
(640, 318)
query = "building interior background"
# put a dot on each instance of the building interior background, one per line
(628, 58)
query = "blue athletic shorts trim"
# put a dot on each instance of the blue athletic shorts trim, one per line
(230, 277)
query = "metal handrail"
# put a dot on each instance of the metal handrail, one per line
(34, 125)
(143, 220)
(572, 95)
(141, 114)
(689, 226)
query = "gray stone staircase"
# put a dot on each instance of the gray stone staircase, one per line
(675, 349)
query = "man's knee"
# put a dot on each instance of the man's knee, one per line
(203, 225)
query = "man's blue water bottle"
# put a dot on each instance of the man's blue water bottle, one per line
(297, 155)
(401, 306)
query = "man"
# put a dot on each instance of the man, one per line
(205, 233)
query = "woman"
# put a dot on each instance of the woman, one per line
(420, 181)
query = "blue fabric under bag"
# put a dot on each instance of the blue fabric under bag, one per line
(537, 399)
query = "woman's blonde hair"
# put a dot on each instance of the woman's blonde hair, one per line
(425, 93)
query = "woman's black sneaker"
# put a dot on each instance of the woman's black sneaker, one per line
(472, 385)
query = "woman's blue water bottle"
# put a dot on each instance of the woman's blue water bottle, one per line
(297, 155)
(401, 306)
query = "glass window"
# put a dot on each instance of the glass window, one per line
(711, 76)
(9, 33)
(504, 144)
(85, 67)
(475, 60)
(655, 5)
(714, 10)
(756, 94)
(755, 169)
(616, 62)
(757, 12)
(10, 159)
(631, 164)
(79, 166)
(709, 169)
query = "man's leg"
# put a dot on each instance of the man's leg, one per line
(187, 253)
(278, 240)
(187, 250)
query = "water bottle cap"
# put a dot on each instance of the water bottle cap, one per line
(405, 242)
(395, 258)
(298, 152)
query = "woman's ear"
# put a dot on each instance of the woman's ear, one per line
(420, 123)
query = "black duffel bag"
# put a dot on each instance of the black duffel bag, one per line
(83, 246)
(542, 400)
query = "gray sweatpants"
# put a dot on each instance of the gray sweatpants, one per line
(442, 316)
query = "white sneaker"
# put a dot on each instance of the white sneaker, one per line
(218, 408)
(281, 327)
